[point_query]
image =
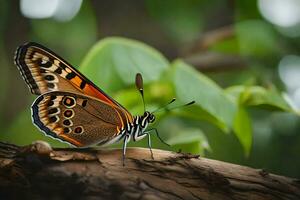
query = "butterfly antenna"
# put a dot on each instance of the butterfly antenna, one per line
(140, 86)
(168, 109)
(187, 104)
(164, 106)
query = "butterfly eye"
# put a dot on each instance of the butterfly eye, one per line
(152, 118)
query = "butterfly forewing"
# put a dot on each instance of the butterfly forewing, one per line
(44, 71)
(76, 119)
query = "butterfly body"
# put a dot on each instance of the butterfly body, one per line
(71, 108)
(137, 129)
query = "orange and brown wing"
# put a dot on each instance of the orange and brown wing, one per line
(45, 71)
(77, 119)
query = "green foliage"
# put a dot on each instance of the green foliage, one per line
(192, 85)
(190, 140)
(181, 19)
(113, 63)
(266, 98)
(243, 129)
(256, 38)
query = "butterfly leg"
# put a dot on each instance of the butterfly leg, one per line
(156, 132)
(140, 135)
(124, 148)
(149, 145)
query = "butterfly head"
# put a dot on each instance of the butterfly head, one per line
(149, 117)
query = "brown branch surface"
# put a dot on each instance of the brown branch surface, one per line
(39, 172)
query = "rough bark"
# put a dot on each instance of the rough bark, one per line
(39, 172)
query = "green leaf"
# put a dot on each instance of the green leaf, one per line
(269, 99)
(185, 138)
(181, 134)
(186, 135)
(113, 62)
(243, 129)
(257, 96)
(198, 113)
(193, 85)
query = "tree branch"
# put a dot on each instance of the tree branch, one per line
(212, 61)
(37, 172)
(208, 39)
(203, 59)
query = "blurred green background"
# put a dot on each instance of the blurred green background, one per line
(238, 59)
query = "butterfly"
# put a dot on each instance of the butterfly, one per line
(73, 109)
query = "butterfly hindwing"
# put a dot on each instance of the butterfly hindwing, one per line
(77, 119)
